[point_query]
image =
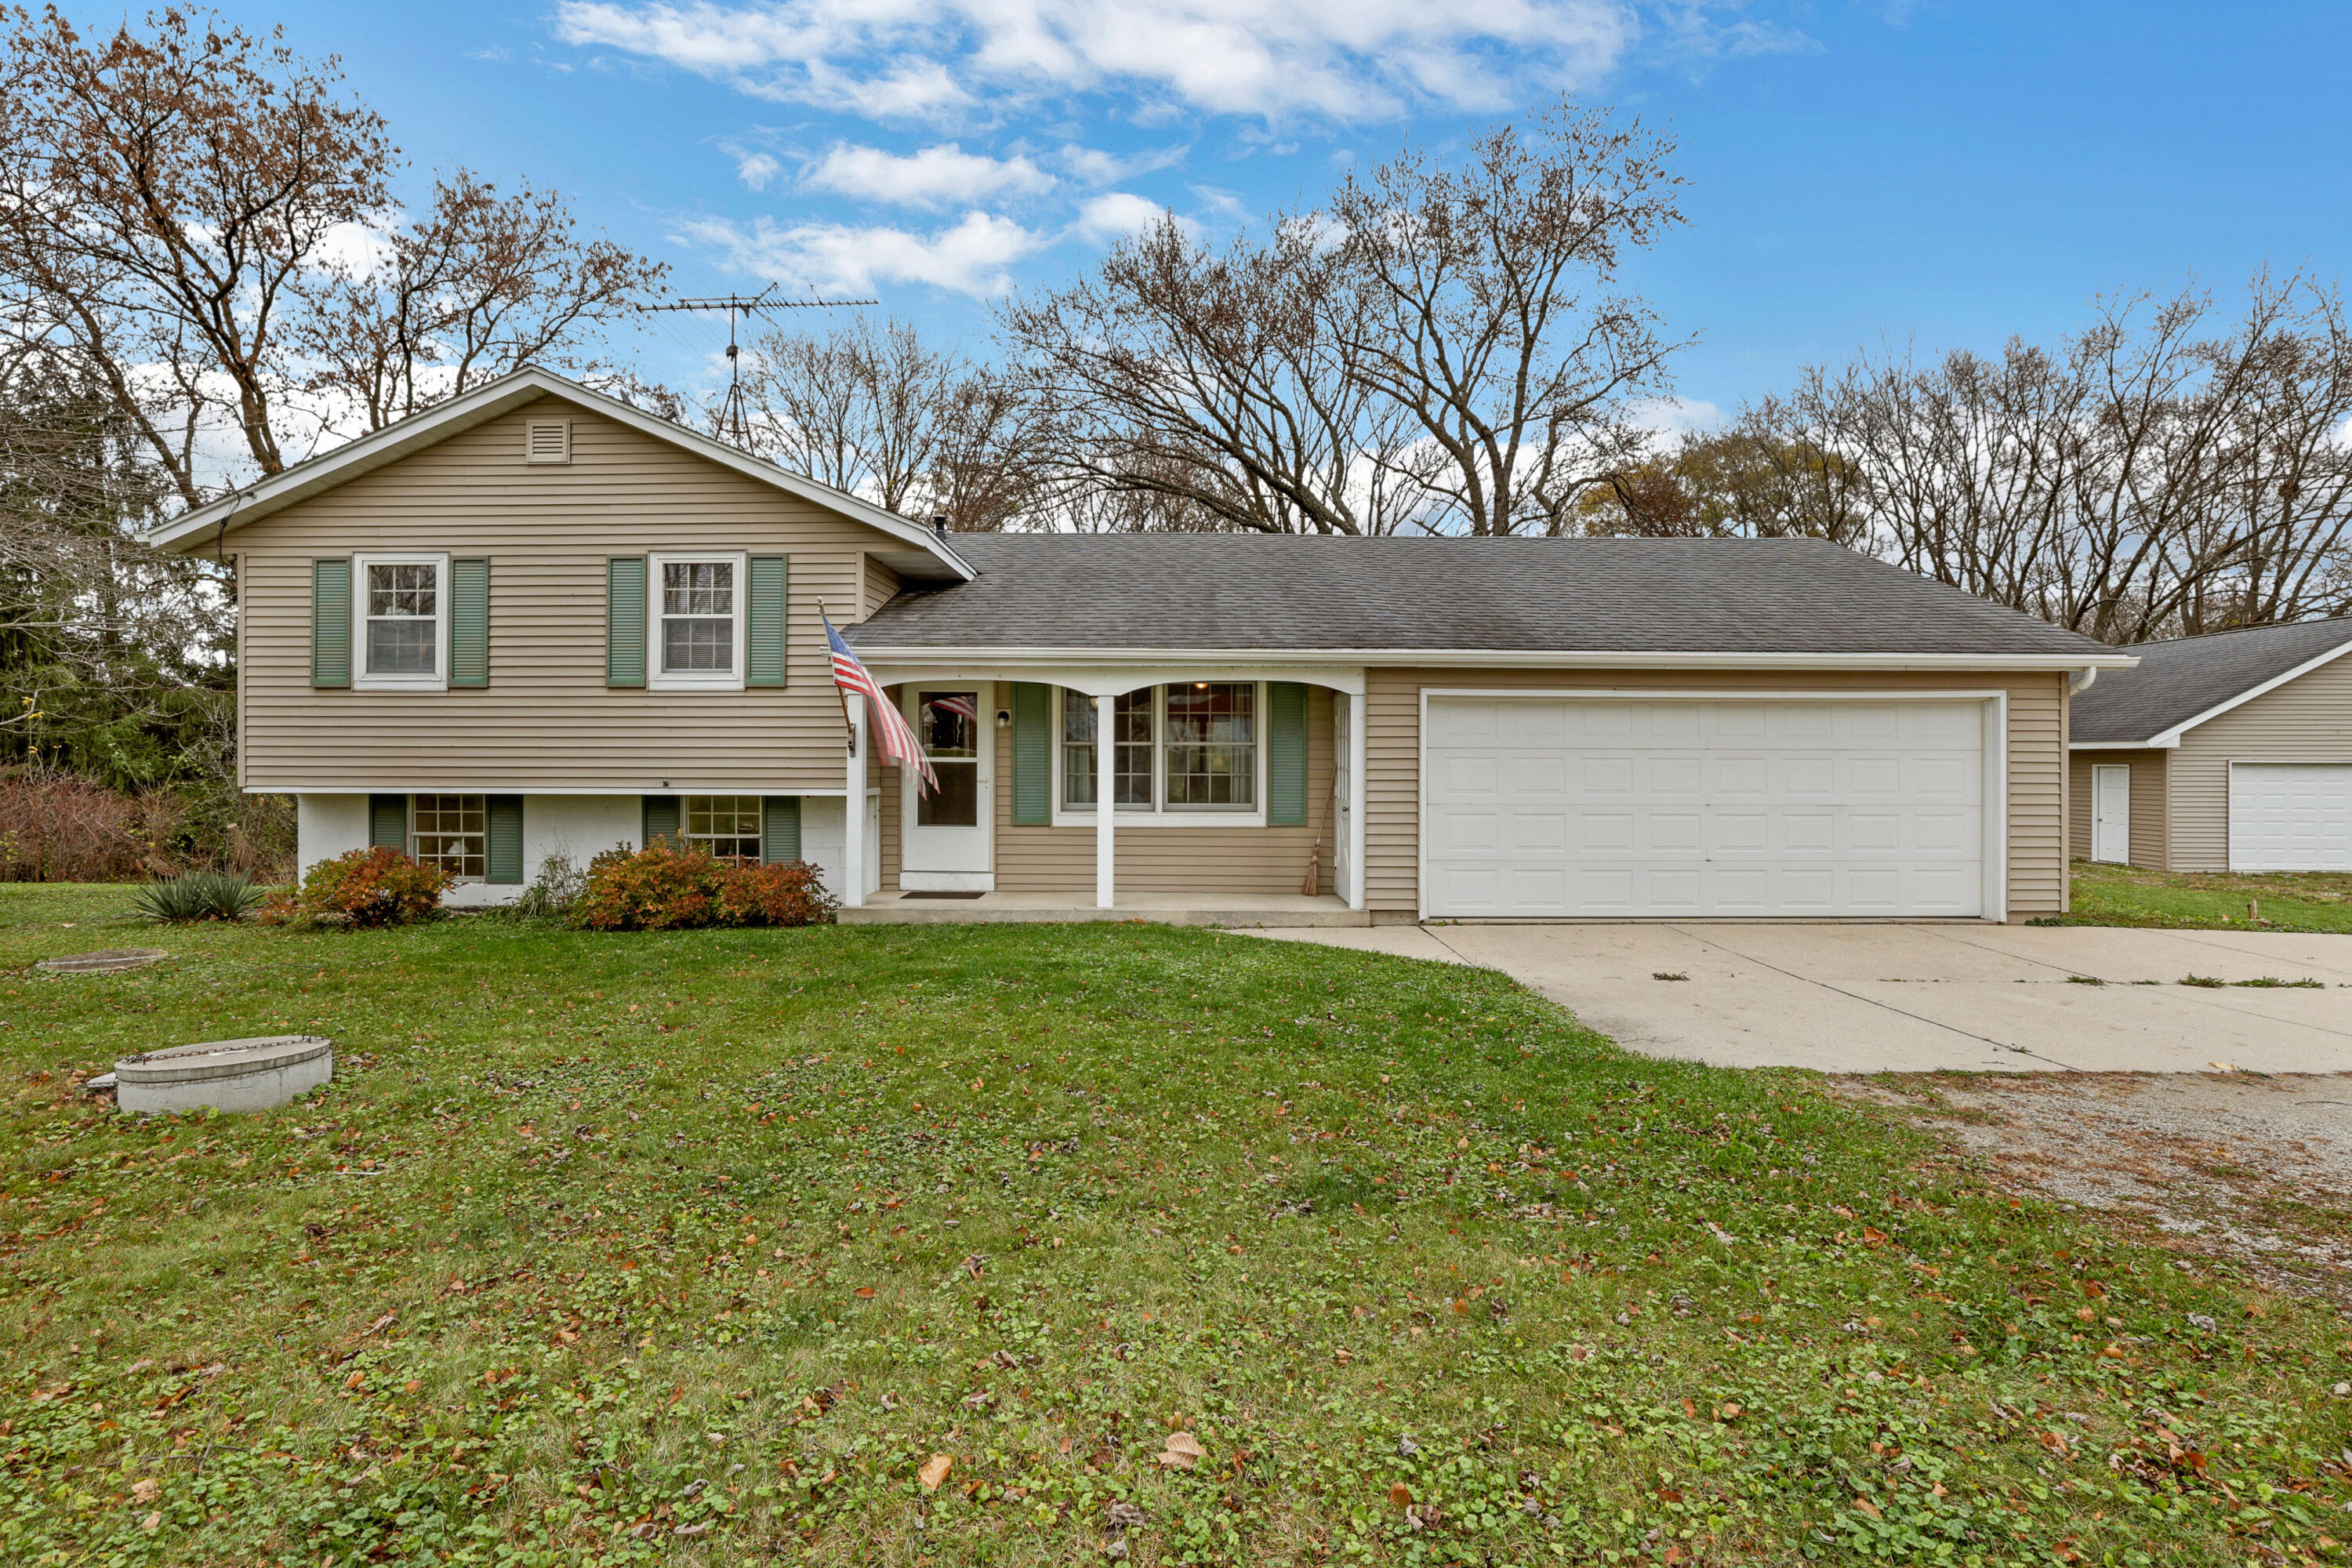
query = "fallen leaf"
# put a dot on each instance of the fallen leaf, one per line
(1400, 1494)
(1183, 1451)
(934, 1470)
(864, 1292)
(145, 1491)
(153, 1522)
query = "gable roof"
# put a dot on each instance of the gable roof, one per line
(928, 555)
(1636, 600)
(2183, 682)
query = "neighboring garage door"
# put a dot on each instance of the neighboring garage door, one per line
(2291, 817)
(1598, 808)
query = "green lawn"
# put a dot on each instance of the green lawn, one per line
(2128, 896)
(697, 1248)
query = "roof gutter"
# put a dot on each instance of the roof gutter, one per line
(875, 653)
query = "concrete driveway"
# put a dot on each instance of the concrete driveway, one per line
(1920, 998)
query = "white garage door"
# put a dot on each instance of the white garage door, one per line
(2291, 817)
(1599, 808)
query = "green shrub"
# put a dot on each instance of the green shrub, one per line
(198, 895)
(362, 887)
(663, 889)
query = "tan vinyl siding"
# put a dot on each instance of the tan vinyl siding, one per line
(2308, 719)
(546, 722)
(2149, 808)
(2037, 771)
(881, 587)
(1163, 859)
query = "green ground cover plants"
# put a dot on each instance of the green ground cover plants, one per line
(1036, 1244)
(2106, 895)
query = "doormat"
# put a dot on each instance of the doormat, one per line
(932, 895)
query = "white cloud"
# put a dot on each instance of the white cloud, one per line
(971, 256)
(756, 169)
(1092, 166)
(940, 176)
(1677, 416)
(1270, 60)
(1116, 214)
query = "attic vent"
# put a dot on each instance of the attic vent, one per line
(547, 441)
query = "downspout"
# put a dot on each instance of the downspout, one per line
(2080, 681)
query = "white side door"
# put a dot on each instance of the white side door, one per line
(2291, 817)
(1343, 836)
(2111, 813)
(946, 834)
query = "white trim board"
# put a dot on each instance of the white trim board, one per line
(195, 530)
(1006, 664)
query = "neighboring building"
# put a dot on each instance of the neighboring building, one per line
(2225, 753)
(534, 619)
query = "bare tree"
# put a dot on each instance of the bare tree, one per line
(478, 285)
(1226, 385)
(1494, 316)
(165, 192)
(880, 415)
(2167, 470)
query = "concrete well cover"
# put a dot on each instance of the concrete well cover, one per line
(103, 962)
(230, 1074)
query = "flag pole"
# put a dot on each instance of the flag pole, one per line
(849, 725)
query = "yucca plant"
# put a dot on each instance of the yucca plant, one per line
(198, 895)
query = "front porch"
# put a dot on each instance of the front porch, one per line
(1166, 909)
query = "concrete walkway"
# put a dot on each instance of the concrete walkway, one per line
(1920, 998)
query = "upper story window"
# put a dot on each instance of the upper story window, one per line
(403, 609)
(698, 611)
(1189, 751)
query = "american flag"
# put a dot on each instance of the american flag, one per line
(962, 704)
(883, 720)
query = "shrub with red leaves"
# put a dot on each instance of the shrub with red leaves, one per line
(364, 887)
(664, 888)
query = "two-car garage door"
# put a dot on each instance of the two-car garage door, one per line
(1602, 807)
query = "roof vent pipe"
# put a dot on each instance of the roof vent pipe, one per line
(940, 524)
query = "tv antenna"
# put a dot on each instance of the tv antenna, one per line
(734, 425)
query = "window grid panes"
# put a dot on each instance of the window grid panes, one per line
(450, 832)
(402, 617)
(948, 723)
(725, 826)
(1213, 744)
(1132, 729)
(698, 618)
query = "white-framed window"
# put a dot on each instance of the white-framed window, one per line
(1190, 754)
(400, 611)
(697, 622)
(451, 831)
(726, 826)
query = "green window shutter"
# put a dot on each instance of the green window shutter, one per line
(469, 623)
(502, 816)
(1033, 753)
(624, 621)
(763, 636)
(779, 828)
(331, 622)
(388, 821)
(1285, 758)
(661, 821)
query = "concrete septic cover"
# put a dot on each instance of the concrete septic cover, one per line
(229, 1075)
(103, 963)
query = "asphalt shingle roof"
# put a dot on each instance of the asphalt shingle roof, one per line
(1295, 594)
(2179, 679)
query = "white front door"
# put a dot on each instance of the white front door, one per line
(2291, 817)
(2111, 813)
(1630, 808)
(946, 831)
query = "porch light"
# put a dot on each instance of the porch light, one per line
(1004, 717)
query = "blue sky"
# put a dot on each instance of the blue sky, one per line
(1949, 174)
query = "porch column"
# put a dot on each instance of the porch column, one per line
(853, 811)
(1105, 786)
(1356, 750)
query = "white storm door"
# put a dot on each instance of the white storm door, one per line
(1605, 809)
(2291, 817)
(2111, 813)
(946, 832)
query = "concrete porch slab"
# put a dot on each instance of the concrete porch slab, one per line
(1284, 910)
